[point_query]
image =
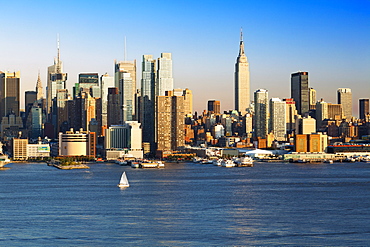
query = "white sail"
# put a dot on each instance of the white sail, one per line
(123, 182)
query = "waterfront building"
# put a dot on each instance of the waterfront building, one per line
(214, 106)
(126, 137)
(106, 82)
(19, 148)
(364, 108)
(56, 80)
(164, 74)
(261, 112)
(9, 93)
(125, 81)
(242, 80)
(300, 91)
(345, 99)
(38, 150)
(79, 143)
(278, 119)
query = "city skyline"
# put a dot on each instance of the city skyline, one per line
(329, 40)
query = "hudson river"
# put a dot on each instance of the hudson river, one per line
(186, 204)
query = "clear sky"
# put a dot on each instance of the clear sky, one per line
(329, 39)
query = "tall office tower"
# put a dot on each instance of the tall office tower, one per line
(9, 93)
(364, 108)
(89, 81)
(214, 106)
(88, 110)
(261, 111)
(312, 98)
(60, 115)
(125, 81)
(170, 122)
(56, 80)
(106, 82)
(345, 99)
(164, 74)
(188, 102)
(30, 100)
(147, 100)
(36, 126)
(113, 109)
(300, 92)
(242, 80)
(39, 92)
(278, 118)
(291, 112)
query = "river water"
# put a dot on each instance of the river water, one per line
(186, 204)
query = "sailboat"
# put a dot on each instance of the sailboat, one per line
(123, 183)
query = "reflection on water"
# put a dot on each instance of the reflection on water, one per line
(186, 204)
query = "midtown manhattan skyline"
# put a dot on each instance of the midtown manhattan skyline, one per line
(329, 40)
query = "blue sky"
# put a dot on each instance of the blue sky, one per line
(329, 39)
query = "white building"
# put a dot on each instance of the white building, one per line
(164, 74)
(124, 139)
(79, 143)
(278, 119)
(38, 150)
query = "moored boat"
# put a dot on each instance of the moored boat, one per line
(227, 163)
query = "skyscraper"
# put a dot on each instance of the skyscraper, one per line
(242, 80)
(56, 80)
(39, 92)
(106, 82)
(364, 108)
(345, 99)
(147, 100)
(261, 111)
(164, 74)
(89, 81)
(312, 98)
(9, 93)
(113, 108)
(125, 81)
(170, 122)
(300, 92)
(278, 118)
(214, 106)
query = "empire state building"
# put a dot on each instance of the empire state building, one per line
(242, 81)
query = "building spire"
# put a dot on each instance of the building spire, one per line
(39, 94)
(58, 56)
(241, 47)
